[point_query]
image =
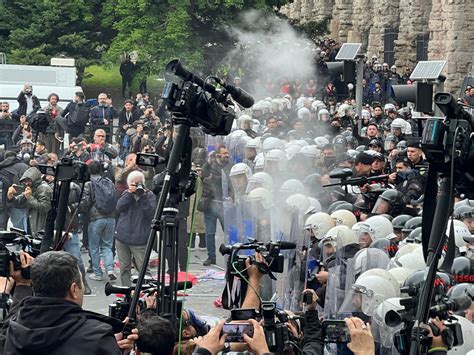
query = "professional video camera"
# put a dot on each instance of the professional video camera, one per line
(67, 170)
(270, 251)
(120, 308)
(440, 308)
(206, 106)
(11, 242)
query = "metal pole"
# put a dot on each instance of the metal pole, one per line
(359, 78)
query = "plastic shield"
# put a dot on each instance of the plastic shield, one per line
(340, 269)
(291, 283)
(256, 221)
(366, 259)
(235, 143)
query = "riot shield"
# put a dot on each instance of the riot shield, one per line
(366, 259)
(337, 286)
(288, 226)
(232, 215)
(235, 144)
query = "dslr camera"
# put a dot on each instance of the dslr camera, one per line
(11, 242)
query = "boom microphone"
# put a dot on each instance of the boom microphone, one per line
(457, 304)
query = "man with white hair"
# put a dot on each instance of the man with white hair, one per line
(135, 207)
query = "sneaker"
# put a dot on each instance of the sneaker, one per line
(89, 270)
(95, 277)
(209, 262)
(84, 250)
(87, 290)
(111, 276)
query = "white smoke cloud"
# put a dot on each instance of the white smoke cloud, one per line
(269, 47)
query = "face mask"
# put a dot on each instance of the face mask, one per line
(329, 161)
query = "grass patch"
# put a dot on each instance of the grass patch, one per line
(100, 79)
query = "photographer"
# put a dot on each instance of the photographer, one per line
(11, 170)
(36, 198)
(135, 208)
(27, 101)
(23, 131)
(53, 321)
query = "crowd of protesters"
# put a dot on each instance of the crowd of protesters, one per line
(280, 154)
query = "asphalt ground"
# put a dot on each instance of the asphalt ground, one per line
(200, 297)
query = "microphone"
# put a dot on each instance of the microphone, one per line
(457, 304)
(287, 245)
(239, 95)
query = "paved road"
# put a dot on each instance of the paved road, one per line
(201, 296)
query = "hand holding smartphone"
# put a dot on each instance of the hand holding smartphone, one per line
(235, 331)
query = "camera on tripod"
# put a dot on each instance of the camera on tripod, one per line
(201, 102)
(68, 169)
(11, 242)
(120, 308)
(270, 251)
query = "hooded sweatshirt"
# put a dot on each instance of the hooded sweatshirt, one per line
(52, 326)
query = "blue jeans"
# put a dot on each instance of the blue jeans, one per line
(73, 246)
(19, 218)
(214, 213)
(101, 237)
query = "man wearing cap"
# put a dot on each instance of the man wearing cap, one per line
(362, 164)
(378, 165)
(415, 154)
(406, 180)
(376, 145)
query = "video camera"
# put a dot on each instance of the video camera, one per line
(206, 106)
(345, 173)
(11, 242)
(120, 308)
(270, 251)
(67, 170)
(442, 306)
(274, 324)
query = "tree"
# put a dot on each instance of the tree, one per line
(158, 31)
(34, 31)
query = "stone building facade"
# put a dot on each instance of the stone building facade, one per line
(401, 32)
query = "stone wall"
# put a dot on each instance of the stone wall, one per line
(447, 23)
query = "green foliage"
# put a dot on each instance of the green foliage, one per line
(34, 31)
(102, 31)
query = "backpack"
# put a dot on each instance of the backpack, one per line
(105, 197)
(80, 116)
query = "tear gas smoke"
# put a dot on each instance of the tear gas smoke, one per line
(267, 47)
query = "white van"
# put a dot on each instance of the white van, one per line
(45, 80)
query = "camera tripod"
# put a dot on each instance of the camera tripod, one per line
(176, 177)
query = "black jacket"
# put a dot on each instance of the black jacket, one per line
(23, 105)
(56, 326)
(313, 334)
(124, 119)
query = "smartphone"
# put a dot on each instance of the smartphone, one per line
(19, 189)
(235, 331)
(335, 331)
